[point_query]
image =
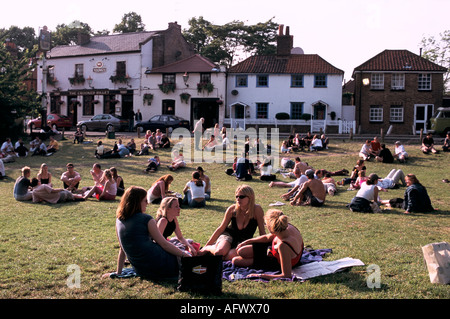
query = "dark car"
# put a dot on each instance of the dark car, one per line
(162, 122)
(53, 120)
(104, 122)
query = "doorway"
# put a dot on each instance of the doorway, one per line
(422, 115)
(72, 109)
(206, 108)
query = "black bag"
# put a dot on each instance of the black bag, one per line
(202, 274)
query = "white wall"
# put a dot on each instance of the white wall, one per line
(279, 93)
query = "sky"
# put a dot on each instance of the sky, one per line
(346, 33)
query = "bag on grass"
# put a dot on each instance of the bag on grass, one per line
(202, 274)
(437, 258)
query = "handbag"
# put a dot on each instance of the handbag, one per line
(202, 274)
(437, 258)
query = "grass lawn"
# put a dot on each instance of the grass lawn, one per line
(38, 242)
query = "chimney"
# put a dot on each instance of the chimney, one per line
(83, 38)
(285, 42)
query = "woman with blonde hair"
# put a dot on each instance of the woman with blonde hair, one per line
(159, 189)
(150, 254)
(281, 249)
(44, 176)
(166, 219)
(239, 223)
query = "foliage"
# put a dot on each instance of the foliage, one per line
(282, 116)
(438, 51)
(306, 116)
(24, 38)
(131, 22)
(15, 100)
(223, 43)
(119, 78)
(185, 97)
(68, 34)
(205, 86)
(148, 98)
(167, 87)
(77, 79)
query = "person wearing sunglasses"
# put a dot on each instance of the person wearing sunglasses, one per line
(239, 224)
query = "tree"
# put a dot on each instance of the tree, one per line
(68, 34)
(24, 38)
(15, 100)
(438, 51)
(131, 22)
(223, 43)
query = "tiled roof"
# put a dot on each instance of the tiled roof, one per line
(194, 63)
(295, 63)
(104, 44)
(399, 60)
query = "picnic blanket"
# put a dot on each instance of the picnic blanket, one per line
(311, 265)
(232, 273)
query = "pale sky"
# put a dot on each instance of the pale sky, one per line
(346, 33)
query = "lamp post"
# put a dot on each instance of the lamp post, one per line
(364, 82)
(44, 46)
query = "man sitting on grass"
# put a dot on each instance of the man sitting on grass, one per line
(311, 192)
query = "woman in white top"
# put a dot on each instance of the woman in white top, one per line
(367, 194)
(194, 192)
(316, 144)
(399, 152)
(108, 191)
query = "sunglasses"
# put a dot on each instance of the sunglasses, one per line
(241, 196)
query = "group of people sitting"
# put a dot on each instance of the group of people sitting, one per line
(309, 142)
(373, 149)
(9, 152)
(107, 184)
(145, 241)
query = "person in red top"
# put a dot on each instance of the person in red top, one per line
(376, 146)
(281, 248)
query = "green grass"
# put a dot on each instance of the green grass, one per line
(39, 241)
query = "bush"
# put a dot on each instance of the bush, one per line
(306, 116)
(282, 116)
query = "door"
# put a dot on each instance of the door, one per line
(422, 115)
(72, 109)
(319, 111)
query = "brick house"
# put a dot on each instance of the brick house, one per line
(397, 91)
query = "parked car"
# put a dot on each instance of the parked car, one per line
(53, 120)
(440, 122)
(162, 122)
(104, 122)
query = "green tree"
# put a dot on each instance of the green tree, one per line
(223, 43)
(24, 38)
(15, 100)
(68, 34)
(131, 22)
(438, 51)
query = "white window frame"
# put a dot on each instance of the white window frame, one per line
(398, 81)
(397, 113)
(424, 82)
(377, 81)
(376, 113)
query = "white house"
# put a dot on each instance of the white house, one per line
(289, 82)
(103, 74)
(190, 88)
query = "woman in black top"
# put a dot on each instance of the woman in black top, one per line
(166, 219)
(239, 223)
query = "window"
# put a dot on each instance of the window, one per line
(241, 81)
(262, 110)
(424, 82)
(88, 105)
(205, 77)
(320, 81)
(296, 110)
(79, 70)
(398, 82)
(108, 106)
(297, 80)
(168, 78)
(262, 81)
(121, 68)
(377, 81)
(168, 107)
(376, 113)
(396, 113)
